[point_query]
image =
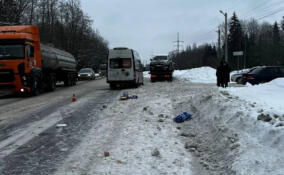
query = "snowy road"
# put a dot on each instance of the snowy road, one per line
(224, 136)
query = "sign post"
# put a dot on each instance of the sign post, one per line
(238, 54)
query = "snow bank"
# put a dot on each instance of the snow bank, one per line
(269, 95)
(197, 75)
(230, 138)
(146, 74)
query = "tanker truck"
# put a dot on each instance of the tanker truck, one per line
(29, 67)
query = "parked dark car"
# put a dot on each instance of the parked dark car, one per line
(263, 74)
(86, 74)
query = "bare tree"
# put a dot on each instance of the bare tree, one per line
(62, 23)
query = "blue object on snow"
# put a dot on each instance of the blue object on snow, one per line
(182, 117)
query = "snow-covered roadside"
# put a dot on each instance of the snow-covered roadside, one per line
(229, 138)
(146, 74)
(223, 137)
(131, 131)
(197, 75)
(232, 117)
(269, 95)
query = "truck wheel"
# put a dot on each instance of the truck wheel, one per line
(136, 85)
(35, 89)
(52, 84)
(67, 81)
(74, 81)
(112, 86)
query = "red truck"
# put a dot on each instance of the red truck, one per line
(161, 67)
(29, 67)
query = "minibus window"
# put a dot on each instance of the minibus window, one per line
(120, 63)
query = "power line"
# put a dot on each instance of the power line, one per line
(266, 10)
(272, 13)
(259, 6)
(265, 6)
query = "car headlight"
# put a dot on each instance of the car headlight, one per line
(79, 75)
(89, 75)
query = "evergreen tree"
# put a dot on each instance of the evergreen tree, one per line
(276, 44)
(235, 38)
(276, 34)
(282, 23)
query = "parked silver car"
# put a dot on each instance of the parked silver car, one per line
(237, 77)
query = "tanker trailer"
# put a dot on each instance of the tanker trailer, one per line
(26, 66)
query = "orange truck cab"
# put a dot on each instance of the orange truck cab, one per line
(22, 67)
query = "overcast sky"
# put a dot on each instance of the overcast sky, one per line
(151, 26)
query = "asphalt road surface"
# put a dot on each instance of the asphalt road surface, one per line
(39, 132)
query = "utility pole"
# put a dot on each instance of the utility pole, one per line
(219, 43)
(226, 35)
(178, 43)
(245, 54)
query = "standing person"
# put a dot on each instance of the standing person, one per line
(219, 74)
(226, 74)
(223, 74)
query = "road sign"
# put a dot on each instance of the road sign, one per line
(238, 53)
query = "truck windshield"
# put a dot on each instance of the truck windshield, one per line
(160, 58)
(9, 52)
(119, 63)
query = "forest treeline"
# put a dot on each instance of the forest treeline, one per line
(62, 23)
(261, 42)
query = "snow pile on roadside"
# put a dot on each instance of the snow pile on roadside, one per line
(269, 95)
(197, 75)
(146, 74)
(229, 137)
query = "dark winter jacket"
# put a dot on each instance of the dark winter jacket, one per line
(223, 72)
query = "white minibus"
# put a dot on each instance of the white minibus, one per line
(124, 68)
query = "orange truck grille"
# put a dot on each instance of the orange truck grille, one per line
(6, 76)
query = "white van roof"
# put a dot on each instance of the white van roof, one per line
(120, 53)
(120, 48)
